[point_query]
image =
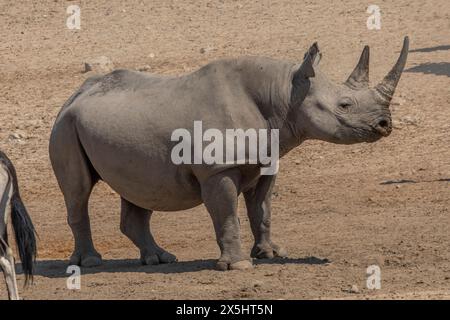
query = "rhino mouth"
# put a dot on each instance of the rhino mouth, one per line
(368, 134)
(374, 132)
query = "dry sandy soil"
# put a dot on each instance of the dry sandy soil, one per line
(337, 209)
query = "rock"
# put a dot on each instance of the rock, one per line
(145, 68)
(354, 289)
(151, 55)
(100, 64)
(398, 101)
(206, 50)
(18, 137)
(408, 120)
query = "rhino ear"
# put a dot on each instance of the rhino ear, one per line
(315, 54)
(306, 70)
(300, 80)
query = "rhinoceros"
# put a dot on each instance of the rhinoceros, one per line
(117, 128)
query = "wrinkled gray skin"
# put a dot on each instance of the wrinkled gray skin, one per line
(117, 128)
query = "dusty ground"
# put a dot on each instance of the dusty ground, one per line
(333, 210)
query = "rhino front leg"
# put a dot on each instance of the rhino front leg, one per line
(135, 224)
(258, 202)
(220, 196)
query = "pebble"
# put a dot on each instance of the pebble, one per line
(354, 289)
(100, 64)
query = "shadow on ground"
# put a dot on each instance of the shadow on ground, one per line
(402, 181)
(57, 268)
(437, 68)
(431, 49)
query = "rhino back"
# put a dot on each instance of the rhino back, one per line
(125, 120)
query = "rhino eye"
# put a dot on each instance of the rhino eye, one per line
(345, 106)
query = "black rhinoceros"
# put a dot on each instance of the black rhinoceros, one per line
(118, 128)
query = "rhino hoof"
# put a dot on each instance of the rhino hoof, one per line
(91, 260)
(268, 252)
(150, 260)
(166, 257)
(163, 257)
(222, 266)
(240, 265)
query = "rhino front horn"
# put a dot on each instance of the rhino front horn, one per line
(386, 88)
(359, 78)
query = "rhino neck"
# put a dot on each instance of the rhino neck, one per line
(269, 83)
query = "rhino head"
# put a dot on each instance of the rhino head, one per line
(346, 113)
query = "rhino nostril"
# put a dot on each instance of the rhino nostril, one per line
(383, 127)
(383, 123)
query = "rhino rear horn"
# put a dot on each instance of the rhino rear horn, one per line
(386, 88)
(359, 78)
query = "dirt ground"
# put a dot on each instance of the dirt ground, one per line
(337, 209)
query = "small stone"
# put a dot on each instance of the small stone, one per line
(354, 289)
(33, 124)
(408, 120)
(100, 64)
(206, 50)
(145, 68)
(398, 101)
(396, 124)
(18, 135)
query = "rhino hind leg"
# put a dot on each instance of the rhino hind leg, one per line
(135, 224)
(76, 178)
(220, 196)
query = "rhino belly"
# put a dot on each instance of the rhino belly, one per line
(163, 189)
(143, 174)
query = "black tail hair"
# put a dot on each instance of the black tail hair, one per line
(23, 226)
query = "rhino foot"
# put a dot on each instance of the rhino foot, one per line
(91, 259)
(268, 251)
(239, 265)
(157, 258)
